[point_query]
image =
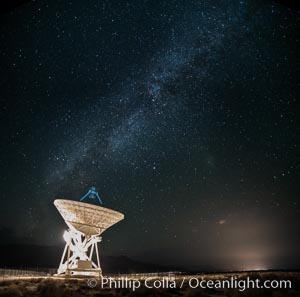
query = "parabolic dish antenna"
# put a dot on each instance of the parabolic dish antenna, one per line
(86, 222)
(87, 218)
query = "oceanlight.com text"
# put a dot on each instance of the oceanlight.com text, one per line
(192, 282)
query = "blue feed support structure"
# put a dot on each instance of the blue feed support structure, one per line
(93, 194)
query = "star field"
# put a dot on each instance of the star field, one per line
(182, 115)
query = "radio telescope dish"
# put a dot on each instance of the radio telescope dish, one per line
(87, 218)
(86, 222)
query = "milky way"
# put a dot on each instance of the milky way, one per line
(155, 101)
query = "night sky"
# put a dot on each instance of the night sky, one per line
(181, 113)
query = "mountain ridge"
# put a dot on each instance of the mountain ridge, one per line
(29, 255)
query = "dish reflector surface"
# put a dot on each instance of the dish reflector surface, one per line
(87, 218)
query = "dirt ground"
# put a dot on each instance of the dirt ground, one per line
(60, 287)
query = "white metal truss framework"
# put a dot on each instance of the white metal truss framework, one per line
(80, 247)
